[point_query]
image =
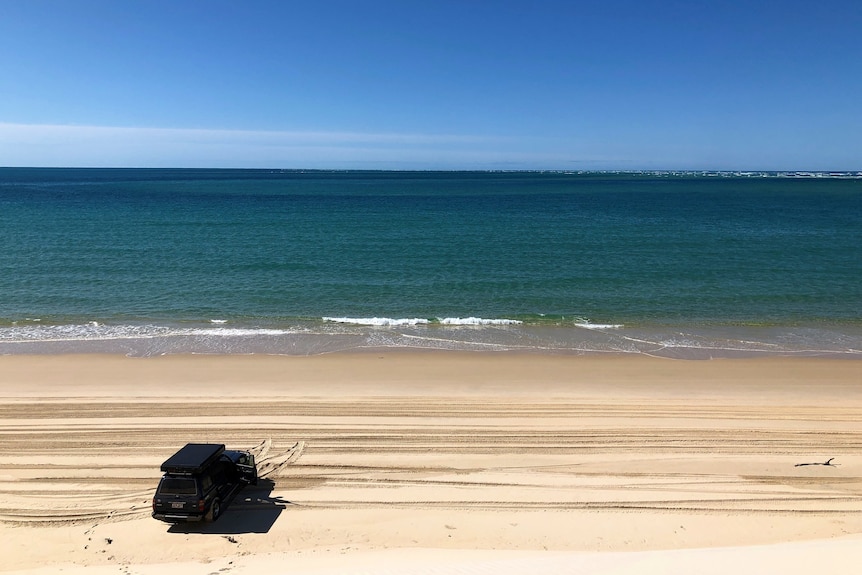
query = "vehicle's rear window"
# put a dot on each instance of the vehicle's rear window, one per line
(178, 486)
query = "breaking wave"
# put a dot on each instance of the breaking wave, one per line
(386, 321)
(339, 334)
(377, 321)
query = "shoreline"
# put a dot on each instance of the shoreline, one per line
(309, 337)
(449, 460)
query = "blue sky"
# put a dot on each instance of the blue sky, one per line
(440, 84)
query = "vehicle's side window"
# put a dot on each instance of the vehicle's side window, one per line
(206, 482)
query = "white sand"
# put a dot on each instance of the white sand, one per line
(438, 463)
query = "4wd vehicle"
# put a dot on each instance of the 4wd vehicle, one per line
(200, 480)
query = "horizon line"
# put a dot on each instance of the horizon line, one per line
(644, 171)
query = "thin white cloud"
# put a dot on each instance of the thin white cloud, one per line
(102, 146)
(41, 131)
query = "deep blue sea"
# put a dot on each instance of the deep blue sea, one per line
(684, 265)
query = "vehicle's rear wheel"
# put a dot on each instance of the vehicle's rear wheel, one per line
(215, 510)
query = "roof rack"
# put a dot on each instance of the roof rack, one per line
(193, 458)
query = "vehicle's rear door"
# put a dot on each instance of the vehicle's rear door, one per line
(176, 495)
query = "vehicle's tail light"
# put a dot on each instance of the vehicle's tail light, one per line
(201, 505)
(154, 503)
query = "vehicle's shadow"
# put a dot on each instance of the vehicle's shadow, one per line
(253, 510)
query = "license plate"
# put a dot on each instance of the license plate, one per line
(177, 504)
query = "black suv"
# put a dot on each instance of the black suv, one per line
(200, 480)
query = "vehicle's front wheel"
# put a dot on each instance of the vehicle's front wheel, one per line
(215, 510)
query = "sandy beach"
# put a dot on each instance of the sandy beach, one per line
(438, 462)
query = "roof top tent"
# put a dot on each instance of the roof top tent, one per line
(193, 458)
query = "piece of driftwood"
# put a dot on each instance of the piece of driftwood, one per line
(828, 463)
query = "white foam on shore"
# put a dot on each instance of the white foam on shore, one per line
(95, 331)
(378, 321)
(477, 321)
(238, 332)
(310, 336)
(598, 326)
(387, 321)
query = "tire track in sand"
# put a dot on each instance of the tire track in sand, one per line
(86, 461)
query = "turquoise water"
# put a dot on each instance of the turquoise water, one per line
(149, 262)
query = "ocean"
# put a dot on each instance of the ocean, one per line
(680, 265)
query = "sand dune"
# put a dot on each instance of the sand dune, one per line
(463, 463)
